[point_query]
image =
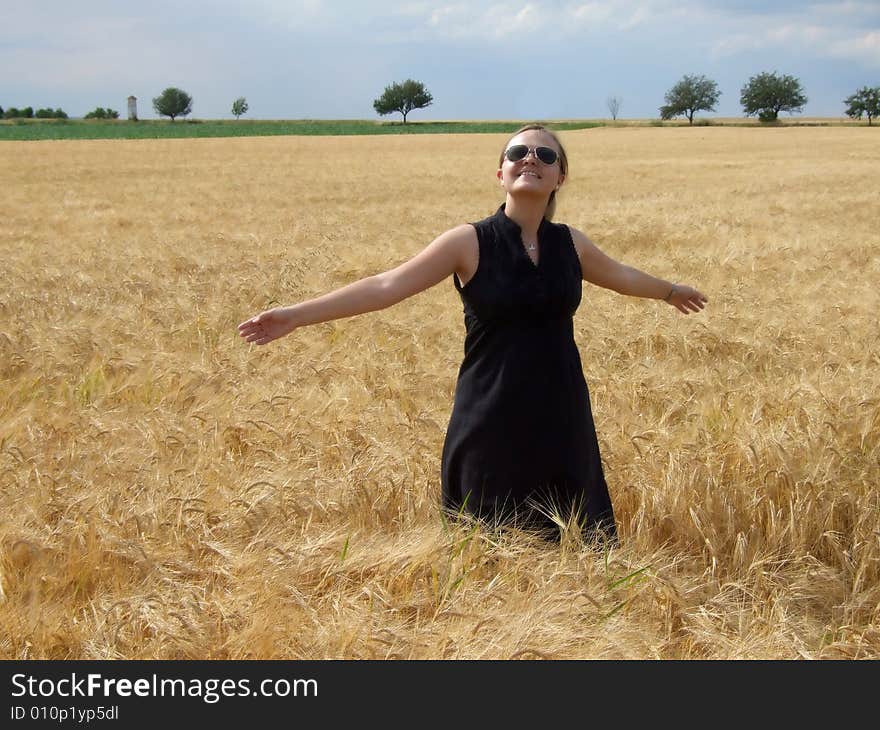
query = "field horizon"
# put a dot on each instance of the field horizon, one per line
(78, 128)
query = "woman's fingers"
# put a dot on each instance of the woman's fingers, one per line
(693, 303)
(249, 323)
(252, 330)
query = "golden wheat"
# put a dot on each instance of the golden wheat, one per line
(171, 492)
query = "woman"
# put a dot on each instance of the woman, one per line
(521, 445)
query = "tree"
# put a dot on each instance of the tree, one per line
(172, 103)
(49, 113)
(865, 101)
(239, 106)
(690, 95)
(614, 103)
(101, 113)
(403, 98)
(767, 94)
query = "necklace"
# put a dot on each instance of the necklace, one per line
(531, 247)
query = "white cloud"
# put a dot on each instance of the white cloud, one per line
(593, 13)
(473, 21)
(617, 14)
(826, 30)
(504, 20)
(494, 20)
(864, 48)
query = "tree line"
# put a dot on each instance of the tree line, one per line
(29, 113)
(764, 95)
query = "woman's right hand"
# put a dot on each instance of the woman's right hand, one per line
(268, 326)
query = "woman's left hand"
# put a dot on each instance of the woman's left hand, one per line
(686, 299)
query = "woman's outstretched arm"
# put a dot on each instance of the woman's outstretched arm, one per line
(450, 252)
(600, 269)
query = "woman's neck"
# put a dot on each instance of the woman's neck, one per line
(527, 214)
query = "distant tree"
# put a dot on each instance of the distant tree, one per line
(28, 113)
(239, 106)
(690, 95)
(173, 102)
(101, 113)
(16, 113)
(866, 101)
(1, 112)
(767, 94)
(403, 97)
(614, 103)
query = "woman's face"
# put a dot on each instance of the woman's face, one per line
(529, 175)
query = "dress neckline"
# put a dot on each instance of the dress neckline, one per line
(513, 229)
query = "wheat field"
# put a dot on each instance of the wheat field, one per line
(170, 492)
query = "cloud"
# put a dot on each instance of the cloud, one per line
(791, 34)
(618, 14)
(864, 48)
(491, 20)
(487, 21)
(837, 29)
(314, 57)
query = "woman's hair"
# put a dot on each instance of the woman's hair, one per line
(563, 160)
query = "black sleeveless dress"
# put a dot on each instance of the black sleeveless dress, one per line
(521, 440)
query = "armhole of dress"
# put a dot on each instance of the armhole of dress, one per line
(577, 254)
(455, 280)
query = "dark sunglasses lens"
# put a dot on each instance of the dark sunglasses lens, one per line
(517, 152)
(546, 155)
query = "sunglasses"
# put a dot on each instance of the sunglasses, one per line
(518, 152)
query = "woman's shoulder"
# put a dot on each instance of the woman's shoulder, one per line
(565, 232)
(569, 230)
(460, 237)
(462, 232)
(577, 238)
(559, 225)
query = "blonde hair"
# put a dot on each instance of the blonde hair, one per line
(563, 160)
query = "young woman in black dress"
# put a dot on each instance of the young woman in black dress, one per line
(521, 445)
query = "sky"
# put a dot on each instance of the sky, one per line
(480, 59)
